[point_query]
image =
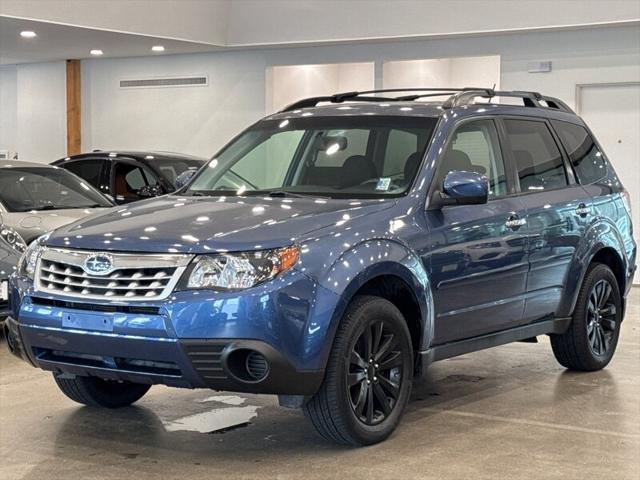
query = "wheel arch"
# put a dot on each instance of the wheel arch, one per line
(390, 270)
(601, 244)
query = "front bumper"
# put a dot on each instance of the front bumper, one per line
(193, 363)
(190, 340)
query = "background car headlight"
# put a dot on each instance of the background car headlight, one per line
(29, 260)
(12, 238)
(235, 271)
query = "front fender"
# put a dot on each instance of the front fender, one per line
(600, 234)
(366, 261)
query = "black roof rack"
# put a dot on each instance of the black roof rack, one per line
(456, 97)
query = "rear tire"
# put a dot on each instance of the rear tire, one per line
(362, 399)
(591, 339)
(95, 392)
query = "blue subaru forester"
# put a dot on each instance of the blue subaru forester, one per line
(330, 253)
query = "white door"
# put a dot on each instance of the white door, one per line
(613, 114)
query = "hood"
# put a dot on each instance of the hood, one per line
(208, 224)
(30, 225)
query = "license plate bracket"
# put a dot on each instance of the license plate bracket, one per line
(88, 321)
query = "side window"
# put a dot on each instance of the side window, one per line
(88, 170)
(135, 179)
(129, 178)
(475, 147)
(538, 159)
(588, 161)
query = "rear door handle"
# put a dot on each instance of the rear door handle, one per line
(515, 222)
(583, 210)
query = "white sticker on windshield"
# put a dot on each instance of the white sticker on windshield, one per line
(383, 184)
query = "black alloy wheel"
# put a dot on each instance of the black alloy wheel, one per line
(601, 317)
(375, 372)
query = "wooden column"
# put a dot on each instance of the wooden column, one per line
(74, 118)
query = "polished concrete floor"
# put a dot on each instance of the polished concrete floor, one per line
(509, 412)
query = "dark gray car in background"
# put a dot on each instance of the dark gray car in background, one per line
(11, 247)
(129, 176)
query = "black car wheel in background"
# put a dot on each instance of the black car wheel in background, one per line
(131, 176)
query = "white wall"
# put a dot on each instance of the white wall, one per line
(287, 84)
(451, 72)
(200, 120)
(34, 122)
(8, 108)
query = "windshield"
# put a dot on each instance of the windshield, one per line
(33, 188)
(172, 167)
(338, 157)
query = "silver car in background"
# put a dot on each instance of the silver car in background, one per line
(11, 247)
(37, 198)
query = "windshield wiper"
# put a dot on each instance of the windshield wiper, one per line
(62, 207)
(284, 194)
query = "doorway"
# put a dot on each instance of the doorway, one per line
(612, 111)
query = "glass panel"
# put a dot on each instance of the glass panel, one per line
(587, 159)
(24, 189)
(475, 148)
(538, 159)
(342, 157)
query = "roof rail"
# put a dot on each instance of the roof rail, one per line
(366, 96)
(529, 99)
(456, 97)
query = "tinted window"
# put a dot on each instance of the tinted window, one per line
(587, 159)
(46, 188)
(538, 159)
(129, 178)
(87, 169)
(475, 148)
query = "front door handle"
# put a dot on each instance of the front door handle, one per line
(514, 222)
(583, 210)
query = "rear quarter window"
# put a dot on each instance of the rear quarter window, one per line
(587, 159)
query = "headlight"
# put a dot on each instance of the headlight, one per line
(234, 271)
(12, 238)
(29, 260)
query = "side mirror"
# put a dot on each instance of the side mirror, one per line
(463, 188)
(182, 179)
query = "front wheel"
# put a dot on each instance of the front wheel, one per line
(368, 378)
(95, 392)
(591, 339)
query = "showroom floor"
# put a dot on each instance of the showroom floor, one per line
(510, 412)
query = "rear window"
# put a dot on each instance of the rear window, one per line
(587, 159)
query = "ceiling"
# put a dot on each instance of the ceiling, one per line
(58, 42)
(71, 28)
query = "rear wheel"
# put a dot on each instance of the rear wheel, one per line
(368, 377)
(95, 392)
(591, 339)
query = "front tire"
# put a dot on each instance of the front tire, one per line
(95, 392)
(591, 339)
(368, 378)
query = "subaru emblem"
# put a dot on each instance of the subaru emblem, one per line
(99, 264)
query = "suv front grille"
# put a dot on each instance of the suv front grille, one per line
(132, 277)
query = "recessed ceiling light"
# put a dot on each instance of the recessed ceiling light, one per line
(96, 52)
(157, 48)
(28, 34)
